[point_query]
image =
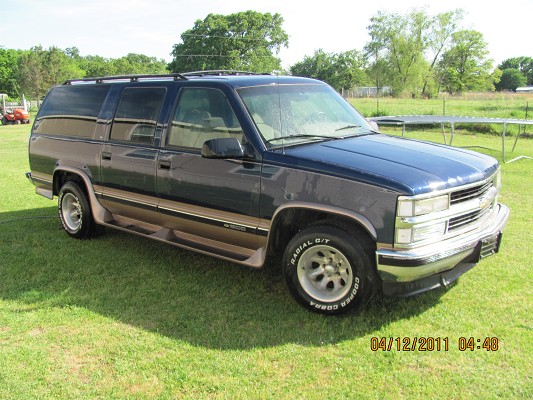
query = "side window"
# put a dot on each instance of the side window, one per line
(202, 114)
(71, 110)
(137, 113)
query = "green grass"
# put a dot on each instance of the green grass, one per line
(498, 105)
(120, 316)
(488, 105)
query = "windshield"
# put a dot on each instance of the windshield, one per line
(293, 114)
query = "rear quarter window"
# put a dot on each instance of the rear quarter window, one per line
(71, 111)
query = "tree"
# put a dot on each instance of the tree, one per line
(465, 65)
(348, 70)
(242, 41)
(342, 71)
(96, 66)
(511, 79)
(9, 71)
(132, 64)
(41, 69)
(439, 37)
(138, 64)
(316, 66)
(523, 64)
(400, 41)
(405, 49)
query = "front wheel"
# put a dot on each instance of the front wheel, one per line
(75, 212)
(328, 271)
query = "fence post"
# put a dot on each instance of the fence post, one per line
(527, 110)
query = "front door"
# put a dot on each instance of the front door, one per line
(208, 198)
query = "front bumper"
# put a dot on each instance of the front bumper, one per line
(409, 272)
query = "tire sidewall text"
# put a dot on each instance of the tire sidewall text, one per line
(294, 252)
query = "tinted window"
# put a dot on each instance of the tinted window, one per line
(75, 100)
(137, 114)
(71, 110)
(202, 114)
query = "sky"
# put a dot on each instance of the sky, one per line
(114, 28)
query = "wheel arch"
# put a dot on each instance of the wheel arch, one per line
(292, 218)
(63, 174)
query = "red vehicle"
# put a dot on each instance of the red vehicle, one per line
(14, 114)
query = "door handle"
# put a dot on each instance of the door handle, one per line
(106, 155)
(164, 164)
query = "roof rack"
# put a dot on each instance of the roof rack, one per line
(221, 72)
(126, 78)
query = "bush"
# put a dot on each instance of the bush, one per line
(511, 79)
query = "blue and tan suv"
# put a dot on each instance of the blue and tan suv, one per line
(240, 166)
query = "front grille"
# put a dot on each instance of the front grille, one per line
(465, 219)
(470, 208)
(470, 193)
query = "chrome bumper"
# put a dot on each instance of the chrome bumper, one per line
(408, 272)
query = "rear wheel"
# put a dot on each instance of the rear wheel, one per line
(75, 212)
(328, 271)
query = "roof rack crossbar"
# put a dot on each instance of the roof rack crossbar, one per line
(131, 78)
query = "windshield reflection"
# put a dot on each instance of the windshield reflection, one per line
(294, 114)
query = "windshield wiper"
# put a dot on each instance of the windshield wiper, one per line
(347, 127)
(302, 136)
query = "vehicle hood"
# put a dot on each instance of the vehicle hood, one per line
(400, 164)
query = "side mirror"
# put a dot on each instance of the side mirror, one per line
(223, 148)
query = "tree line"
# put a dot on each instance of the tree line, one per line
(419, 55)
(415, 54)
(34, 71)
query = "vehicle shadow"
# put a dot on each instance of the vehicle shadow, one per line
(176, 293)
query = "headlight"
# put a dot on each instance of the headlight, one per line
(413, 208)
(418, 219)
(420, 232)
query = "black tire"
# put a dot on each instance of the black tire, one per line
(75, 212)
(4, 121)
(328, 271)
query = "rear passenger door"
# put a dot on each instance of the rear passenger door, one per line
(129, 159)
(215, 199)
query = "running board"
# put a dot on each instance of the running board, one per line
(249, 257)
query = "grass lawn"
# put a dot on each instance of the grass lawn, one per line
(121, 316)
(500, 105)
